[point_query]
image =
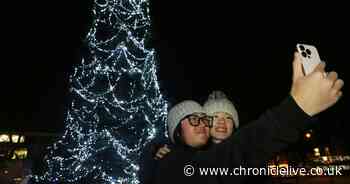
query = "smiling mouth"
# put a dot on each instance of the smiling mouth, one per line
(223, 130)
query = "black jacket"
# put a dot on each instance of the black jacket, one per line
(250, 146)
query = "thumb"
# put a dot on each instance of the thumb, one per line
(297, 67)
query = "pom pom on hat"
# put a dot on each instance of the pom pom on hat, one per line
(218, 102)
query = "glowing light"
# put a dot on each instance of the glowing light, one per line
(15, 138)
(22, 139)
(116, 107)
(324, 158)
(308, 135)
(20, 153)
(18, 179)
(4, 138)
(285, 165)
(316, 150)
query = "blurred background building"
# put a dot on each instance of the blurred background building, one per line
(22, 153)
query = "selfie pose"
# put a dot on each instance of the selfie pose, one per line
(252, 145)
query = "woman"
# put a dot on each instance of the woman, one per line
(225, 120)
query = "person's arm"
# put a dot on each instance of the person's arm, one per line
(273, 131)
(280, 126)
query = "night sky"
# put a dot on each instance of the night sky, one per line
(243, 50)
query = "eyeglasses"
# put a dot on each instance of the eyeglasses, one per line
(195, 120)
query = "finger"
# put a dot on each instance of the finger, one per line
(162, 149)
(159, 156)
(166, 149)
(338, 84)
(333, 76)
(320, 67)
(163, 152)
(165, 146)
(339, 94)
(297, 67)
(159, 151)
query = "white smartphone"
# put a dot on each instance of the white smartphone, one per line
(310, 57)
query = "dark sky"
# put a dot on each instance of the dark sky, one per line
(244, 50)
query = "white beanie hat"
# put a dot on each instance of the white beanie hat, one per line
(178, 112)
(218, 102)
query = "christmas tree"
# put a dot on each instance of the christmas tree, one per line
(116, 106)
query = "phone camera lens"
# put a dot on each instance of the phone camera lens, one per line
(308, 51)
(304, 54)
(301, 47)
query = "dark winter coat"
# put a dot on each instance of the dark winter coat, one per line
(251, 146)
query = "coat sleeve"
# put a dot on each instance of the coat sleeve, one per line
(255, 143)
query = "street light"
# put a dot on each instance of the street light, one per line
(308, 135)
(317, 152)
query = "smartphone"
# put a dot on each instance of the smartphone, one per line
(310, 57)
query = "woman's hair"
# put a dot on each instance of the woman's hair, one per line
(177, 135)
(180, 141)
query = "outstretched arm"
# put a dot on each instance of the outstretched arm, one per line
(280, 126)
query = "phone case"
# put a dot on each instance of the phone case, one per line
(310, 57)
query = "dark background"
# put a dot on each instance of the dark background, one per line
(244, 50)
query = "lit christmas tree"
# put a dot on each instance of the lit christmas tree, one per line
(116, 107)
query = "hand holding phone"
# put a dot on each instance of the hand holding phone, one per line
(310, 57)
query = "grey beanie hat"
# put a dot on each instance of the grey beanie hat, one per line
(178, 112)
(218, 102)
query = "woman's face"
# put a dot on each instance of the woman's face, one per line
(223, 126)
(194, 136)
